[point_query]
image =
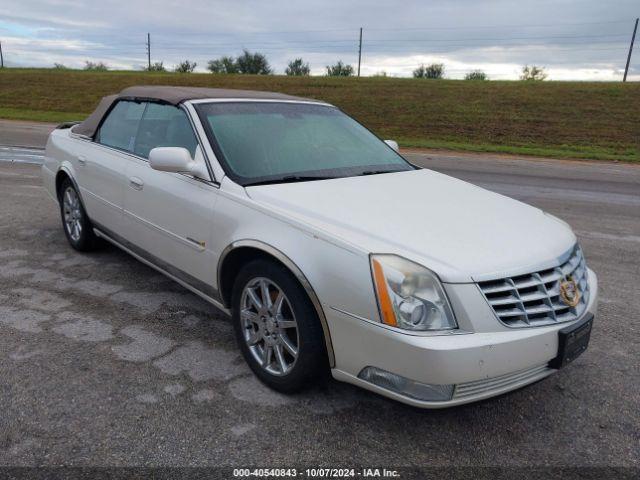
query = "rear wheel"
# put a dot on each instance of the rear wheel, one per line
(277, 328)
(77, 226)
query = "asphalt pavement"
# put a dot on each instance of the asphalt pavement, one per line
(103, 361)
(24, 134)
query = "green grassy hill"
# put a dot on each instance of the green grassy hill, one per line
(557, 119)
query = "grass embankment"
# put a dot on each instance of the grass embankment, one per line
(555, 119)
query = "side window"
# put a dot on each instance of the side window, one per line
(121, 125)
(164, 126)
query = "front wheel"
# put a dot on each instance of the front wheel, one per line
(277, 328)
(77, 226)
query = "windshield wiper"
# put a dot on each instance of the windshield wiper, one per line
(289, 179)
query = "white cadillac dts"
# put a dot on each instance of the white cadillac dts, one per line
(328, 249)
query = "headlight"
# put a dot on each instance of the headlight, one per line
(409, 295)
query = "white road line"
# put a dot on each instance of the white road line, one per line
(21, 155)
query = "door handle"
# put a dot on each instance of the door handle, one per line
(82, 160)
(135, 182)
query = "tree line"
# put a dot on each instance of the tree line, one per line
(436, 71)
(256, 63)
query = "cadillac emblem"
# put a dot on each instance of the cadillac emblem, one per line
(569, 292)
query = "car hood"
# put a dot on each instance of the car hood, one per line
(460, 231)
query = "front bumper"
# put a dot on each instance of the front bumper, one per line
(483, 359)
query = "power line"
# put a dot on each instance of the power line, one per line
(426, 28)
(545, 37)
(382, 47)
(386, 29)
(546, 25)
(393, 47)
(374, 47)
(345, 41)
(395, 40)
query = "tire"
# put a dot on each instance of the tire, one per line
(273, 330)
(75, 222)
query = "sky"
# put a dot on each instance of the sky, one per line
(572, 39)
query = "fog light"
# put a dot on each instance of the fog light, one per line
(404, 386)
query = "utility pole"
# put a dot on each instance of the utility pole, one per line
(149, 51)
(633, 38)
(360, 52)
(1, 57)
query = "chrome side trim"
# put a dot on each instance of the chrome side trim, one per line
(104, 201)
(257, 100)
(200, 243)
(194, 244)
(196, 286)
(297, 273)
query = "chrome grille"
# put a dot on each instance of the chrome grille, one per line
(534, 299)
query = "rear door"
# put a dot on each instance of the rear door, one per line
(169, 216)
(100, 165)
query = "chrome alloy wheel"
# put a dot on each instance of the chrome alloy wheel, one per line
(269, 326)
(72, 213)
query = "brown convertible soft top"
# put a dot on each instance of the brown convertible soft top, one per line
(172, 96)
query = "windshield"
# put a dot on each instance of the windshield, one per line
(269, 142)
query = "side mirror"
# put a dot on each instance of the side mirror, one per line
(393, 144)
(175, 159)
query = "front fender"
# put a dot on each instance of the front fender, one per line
(293, 268)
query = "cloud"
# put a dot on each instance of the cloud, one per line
(574, 39)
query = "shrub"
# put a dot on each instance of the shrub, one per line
(95, 66)
(435, 70)
(253, 64)
(185, 67)
(476, 75)
(60, 66)
(339, 70)
(156, 67)
(533, 73)
(224, 64)
(297, 68)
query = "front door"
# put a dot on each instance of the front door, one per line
(169, 216)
